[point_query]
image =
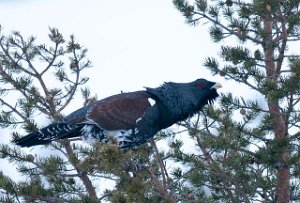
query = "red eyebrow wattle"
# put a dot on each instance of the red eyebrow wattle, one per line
(201, 85)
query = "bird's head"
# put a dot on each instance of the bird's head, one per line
(186, 98)
(201, 92)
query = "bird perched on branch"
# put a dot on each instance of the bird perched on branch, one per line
(129, 118)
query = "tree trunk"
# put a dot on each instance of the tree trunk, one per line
(279, 127)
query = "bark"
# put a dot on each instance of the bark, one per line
(279, 126)
(160, 188)
(82, 174)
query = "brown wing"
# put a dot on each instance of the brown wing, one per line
(120, 111)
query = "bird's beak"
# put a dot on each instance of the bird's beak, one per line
(216, 86)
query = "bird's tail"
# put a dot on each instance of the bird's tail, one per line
(52, 132)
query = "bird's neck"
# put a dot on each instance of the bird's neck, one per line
(177, 105)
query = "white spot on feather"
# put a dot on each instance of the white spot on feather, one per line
(138, 120)
(136, 131)
(49, 131)
(151, 101)
(86, 134)
(120, 135)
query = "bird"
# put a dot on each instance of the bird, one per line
(129, 119)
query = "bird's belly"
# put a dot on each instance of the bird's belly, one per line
(119, 135)
(123, 138)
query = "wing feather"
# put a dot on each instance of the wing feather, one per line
(120, 111)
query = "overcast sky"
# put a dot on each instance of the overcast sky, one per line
(131, 43)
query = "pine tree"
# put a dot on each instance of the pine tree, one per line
(39, 79)
(255, 158)
(252, 159)
(23, 69)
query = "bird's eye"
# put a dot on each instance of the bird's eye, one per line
(201, 85)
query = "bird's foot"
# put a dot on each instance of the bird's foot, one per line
(124, 144)
(124, 141)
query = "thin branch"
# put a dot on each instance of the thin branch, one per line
(155, 181)
(83, 175)
(13, 109)
(284, 37)
(6, 51)
(50, 63)
(161, 164)
(226, 28)
(73, 90)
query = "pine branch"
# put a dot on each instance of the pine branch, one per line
(283, 37)
(161, 164)
(230, 31)
(14, 51)
(82, 174)
(14, 110)
(160, 187)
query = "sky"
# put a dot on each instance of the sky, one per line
(132, 43)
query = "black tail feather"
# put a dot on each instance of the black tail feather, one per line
(50, 133)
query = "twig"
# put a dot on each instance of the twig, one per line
(161, 164)
(160, 187)
(13, 109)
(83, 175)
